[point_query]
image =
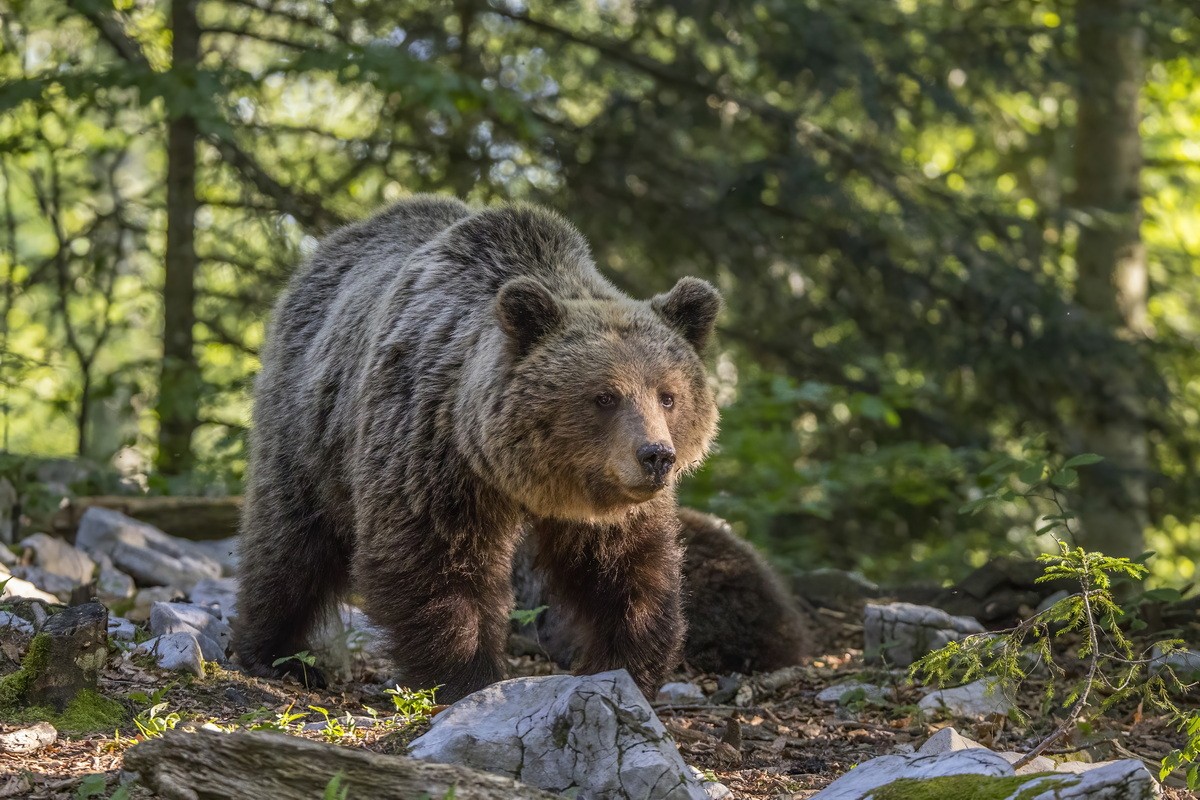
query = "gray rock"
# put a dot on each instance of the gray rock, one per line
(58, 585)
(211, 632)
(145, 599)
(681, 693)
(592, 735)
(1185, 663)
(19, 587)
(834, 694)
(900, 633)
(121, 629)
(971, 700)
(860, 781)
(223, 551)
(715, 790)
(150, 556)
(10, 621)
(175, 651)
(834, 588)
(948, 740)
(1114, 780)
(60, 558)
(1110, 780)
(112, 585)
(219, 594)
(1038, 764)
(28, 740)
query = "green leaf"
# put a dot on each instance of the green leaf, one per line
(1083, 460)
(1163, 595)
(1065, 477)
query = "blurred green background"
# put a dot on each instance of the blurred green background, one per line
(947, 231)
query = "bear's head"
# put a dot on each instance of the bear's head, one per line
(606, 402)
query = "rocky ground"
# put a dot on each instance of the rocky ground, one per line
(786, 734)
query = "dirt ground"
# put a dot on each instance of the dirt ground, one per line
(784, 745)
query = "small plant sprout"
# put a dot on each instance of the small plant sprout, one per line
(526, 616)
(153, 722)
(335, 789)
(336, 729)
(263, 719)
(1112, 671)
(304, 658)
(413, 705)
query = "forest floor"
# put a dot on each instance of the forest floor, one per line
(786, 746)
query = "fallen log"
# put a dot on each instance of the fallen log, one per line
(188, 517)
(207, 765)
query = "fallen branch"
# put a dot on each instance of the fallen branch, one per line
(207, 765)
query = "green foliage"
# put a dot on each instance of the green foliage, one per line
(412, 705)
(152, 722)
(95, 785)
(336, 729)
(304, 658)
(1092, 617)
(334, 790)
(263, 719)
(526, 616)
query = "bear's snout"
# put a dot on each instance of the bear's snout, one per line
(656, 459)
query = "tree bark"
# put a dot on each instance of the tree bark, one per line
(207, 765)
(179, 381)
(1112, 281)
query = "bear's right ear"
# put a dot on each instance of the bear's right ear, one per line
(527, 311)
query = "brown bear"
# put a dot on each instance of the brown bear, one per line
(739, 615)
(435, 378)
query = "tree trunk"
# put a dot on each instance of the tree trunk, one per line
(179, 381)
(207, 765)
(1112, 281)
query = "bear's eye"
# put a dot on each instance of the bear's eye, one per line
(606, 399)
(667, 399)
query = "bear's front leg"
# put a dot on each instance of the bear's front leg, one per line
(443, 598)
(620, 583)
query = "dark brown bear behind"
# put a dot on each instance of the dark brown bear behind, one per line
(740, 617)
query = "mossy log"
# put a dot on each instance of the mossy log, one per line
(207, 765)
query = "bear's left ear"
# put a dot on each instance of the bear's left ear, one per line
(527, 311)
(691, 308)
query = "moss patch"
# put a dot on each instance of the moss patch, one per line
(88, 712)
(972, 787)
(12, 686)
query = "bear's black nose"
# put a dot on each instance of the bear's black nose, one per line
(657, 460)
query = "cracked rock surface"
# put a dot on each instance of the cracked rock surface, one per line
(900, 633)
(948, 754)
(592, 736)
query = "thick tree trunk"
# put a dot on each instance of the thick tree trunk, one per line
(1111, 260)
(207, 765)
(179, 381)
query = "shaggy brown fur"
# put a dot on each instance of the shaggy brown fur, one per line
(435, 378)
(739, 616)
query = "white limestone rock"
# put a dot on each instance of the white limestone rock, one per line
(58, 557)
(217, 594)
(593, 736)
(900, 633)
(212, 633)
(150, 556)
(977, 699)
(175, 651)
(835, 694)
(681, 693)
